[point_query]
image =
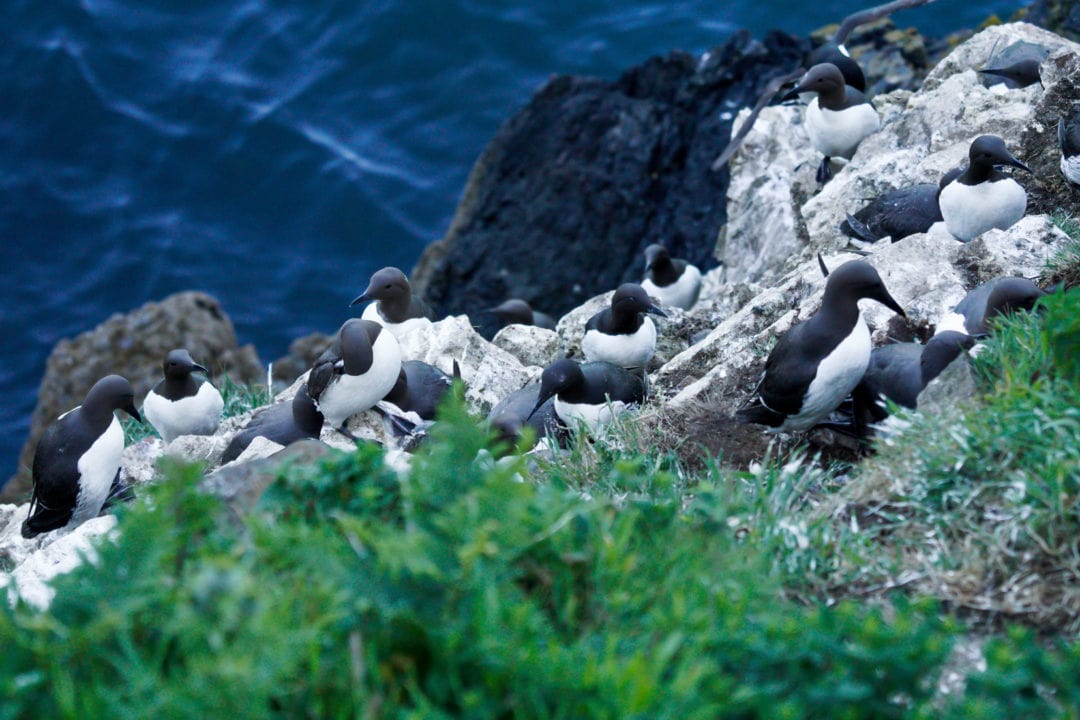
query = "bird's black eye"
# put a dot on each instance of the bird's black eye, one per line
(389, 286)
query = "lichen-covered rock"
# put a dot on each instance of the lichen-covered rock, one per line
(133, 345)
(531, 345)
(138, 464)
(58, 553)
(489, 372)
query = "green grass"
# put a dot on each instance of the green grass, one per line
(980, 506)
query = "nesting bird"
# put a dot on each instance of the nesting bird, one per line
(896, 214)
(593, 393)
(673, 281)
(838, 119)
(77, 459)
(621, 334)
(419, 388)
(1069, 140)
(518, 312)
(992, 298)
(900, 371)
(818, 362)
(395, 307)
(358, 370)
(182, 404)
(283, 423)
(520, 409)
(981, 197)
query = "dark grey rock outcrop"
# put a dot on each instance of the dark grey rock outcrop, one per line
(565, 198)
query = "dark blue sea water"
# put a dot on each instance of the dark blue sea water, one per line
(276, 153)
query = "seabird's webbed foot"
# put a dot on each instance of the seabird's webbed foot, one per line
(824, 171)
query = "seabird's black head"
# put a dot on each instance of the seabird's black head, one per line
(514, 311)
(656, 255)
(990, 150)
(558, 377)
(1010, 295)
(835, 54)
(387, 285)
(631, 299)
(111, 392)
(178, 365)
(825, 79)
(858, 279)
(941, 350)
(357, 339)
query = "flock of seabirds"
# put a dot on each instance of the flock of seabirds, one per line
(812, 370)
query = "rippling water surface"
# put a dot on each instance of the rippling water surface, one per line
(274, 154)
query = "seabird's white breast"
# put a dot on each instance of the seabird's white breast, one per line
(97, 469)
(593, 416)
(628, 351)
(682, 293)
(198, 414)
(971, 210)
(837, 133)
(837, 375)
(401, 329)
(347, 395)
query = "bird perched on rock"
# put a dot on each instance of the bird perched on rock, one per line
(520, 409)
(77, 460)
(182, 404)
(395, 308)
(981, 197)
(420, 388)
(621, 334)
(818, 362)
(838, 119)
(1017, 65)
(1069, 139)
(995, 297)
(896, 214)
(358, 370)
(673, 281)
(518, 312)
(900, 371)
(593, 393)
(283, 423)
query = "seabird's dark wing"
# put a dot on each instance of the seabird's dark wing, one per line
(600, 321)
(324, 371)
(56, 481)
(790, 369)
(897, 214)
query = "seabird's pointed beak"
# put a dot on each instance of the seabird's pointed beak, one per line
(887, 300)
(656, 311)
(360, 299)
(793, 94)
(540, 400)
(130, 410)
(1017, 164)
(200, 368)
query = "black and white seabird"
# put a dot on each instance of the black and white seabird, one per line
(900, 371)
(420, 388)
(395, 307)
(283, 423)
(995, 297)
(520, 409)
(518, 312)
(77, 459)
(1069, 139)
(672, 281)
(621, 334)
(1017, 66)
(358, 370)
(182, 404)
(896, 214)
(982, 197)
(818, 362)
(593, 393)
(838, 119)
